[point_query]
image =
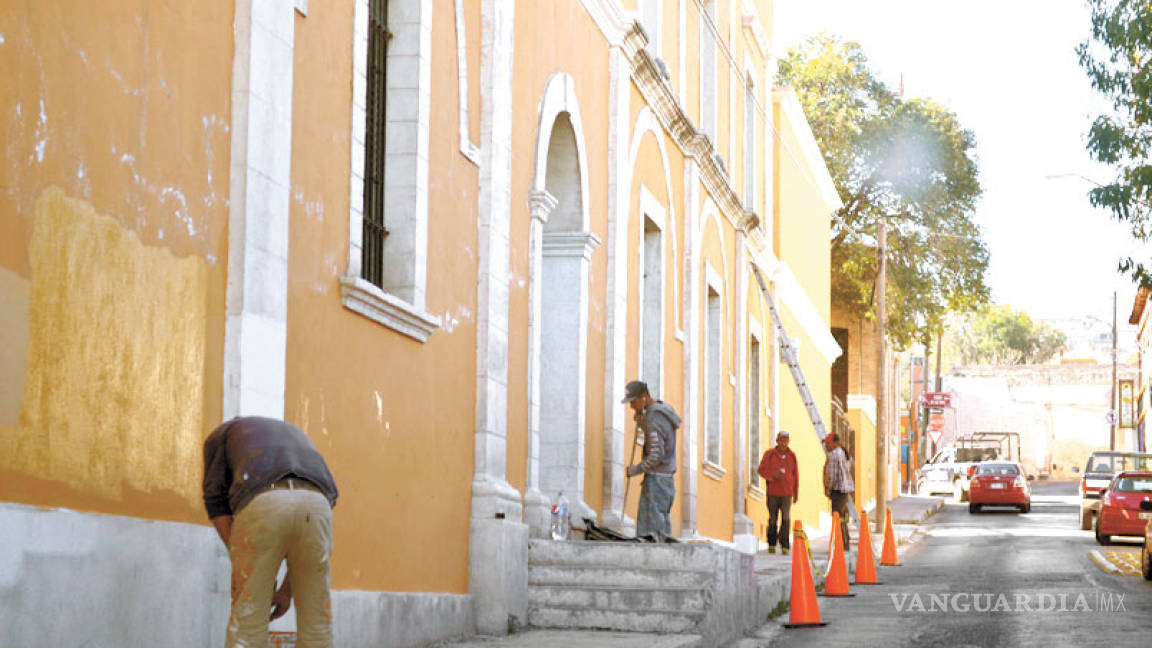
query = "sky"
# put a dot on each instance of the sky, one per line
(1009, 70)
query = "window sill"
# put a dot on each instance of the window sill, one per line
(714, 471)
(756, 493)
(363, 297)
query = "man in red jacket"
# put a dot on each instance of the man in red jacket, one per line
(778, 468)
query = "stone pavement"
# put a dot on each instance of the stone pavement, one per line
(773, 573)
(577, 639)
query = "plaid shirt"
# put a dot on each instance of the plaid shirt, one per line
(838, 473)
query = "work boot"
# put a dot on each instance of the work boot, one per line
(784, 550)
(771, 548)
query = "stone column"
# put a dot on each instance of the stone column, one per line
(689, 458)
(497, 547)
(536, 503)
(256, 324)
(743, 529)
(563, 385)
(616, 301)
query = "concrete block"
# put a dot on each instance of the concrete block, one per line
(498, 574)
(648, 599)
(697, 557)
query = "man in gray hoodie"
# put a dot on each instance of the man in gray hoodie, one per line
(659, 422)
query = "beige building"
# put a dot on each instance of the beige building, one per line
(440, 236)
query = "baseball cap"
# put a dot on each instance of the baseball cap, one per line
(634, 390)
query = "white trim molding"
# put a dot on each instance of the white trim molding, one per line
(715, 471)
(866, 403)
(469, 149)
(751, 21)
(361, 296)
(790, 293)
(794, 114)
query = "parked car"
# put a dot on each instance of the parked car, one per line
(1099, 470)
(1146, 548)
(1120, 512)
(999, 483)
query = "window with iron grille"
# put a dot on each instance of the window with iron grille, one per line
(386, 279)
(375, 232)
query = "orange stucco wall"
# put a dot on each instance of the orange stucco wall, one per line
(112, 252)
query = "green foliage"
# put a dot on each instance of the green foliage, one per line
(999, 335)
(909, 163)
(1116, 58)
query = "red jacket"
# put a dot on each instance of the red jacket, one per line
(775, 460)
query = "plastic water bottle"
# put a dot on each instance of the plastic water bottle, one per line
(560, 518)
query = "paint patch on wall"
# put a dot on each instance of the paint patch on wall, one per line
(114, 379)
(14, 291)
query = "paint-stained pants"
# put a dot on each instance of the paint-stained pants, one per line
(840, 502)
(656, 494)
(779, 520)
(276, 525)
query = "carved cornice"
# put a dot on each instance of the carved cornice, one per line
(540, 204)
(657, 92)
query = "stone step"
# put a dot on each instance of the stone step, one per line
(623, 554)
(613, 619)
(663, 599)
(612, 577)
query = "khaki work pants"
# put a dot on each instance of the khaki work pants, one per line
(276, 525)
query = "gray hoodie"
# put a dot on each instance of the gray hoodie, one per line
(660, 423)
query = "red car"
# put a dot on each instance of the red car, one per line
(1120, 512)
(999, 483)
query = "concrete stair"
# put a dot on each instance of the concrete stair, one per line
(619, 586)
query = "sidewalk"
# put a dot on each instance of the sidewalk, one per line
(773, 573)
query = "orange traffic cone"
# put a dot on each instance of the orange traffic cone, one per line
(865, 562)
(888, 556)
(836, 582)
(804, 611)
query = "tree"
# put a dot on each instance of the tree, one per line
(910, 163)
(999, 335)
(1116, 58)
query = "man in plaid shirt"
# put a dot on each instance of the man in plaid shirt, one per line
(838, 483)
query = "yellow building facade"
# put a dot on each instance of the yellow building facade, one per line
(440, 236)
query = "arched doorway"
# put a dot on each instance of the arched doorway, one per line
(562, 249)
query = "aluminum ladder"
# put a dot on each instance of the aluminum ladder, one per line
(790, 358)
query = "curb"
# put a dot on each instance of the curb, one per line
(1103, 562)
(924, 515)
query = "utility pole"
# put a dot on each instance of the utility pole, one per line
(881, 386)
(1115, 406)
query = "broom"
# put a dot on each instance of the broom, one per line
(631, 460)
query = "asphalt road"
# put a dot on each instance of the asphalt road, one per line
(997, 578)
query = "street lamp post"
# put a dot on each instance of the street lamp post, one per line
(1115, 402)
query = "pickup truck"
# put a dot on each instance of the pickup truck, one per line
(949, 471)
(1098, 472)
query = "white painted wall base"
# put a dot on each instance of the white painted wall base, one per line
(79, 579)
(744, 534)
(82, 579)
(399, 620)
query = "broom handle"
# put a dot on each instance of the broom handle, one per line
(628, 481)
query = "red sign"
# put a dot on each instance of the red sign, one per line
(937, 400)
(936, 422)
(935, 437)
